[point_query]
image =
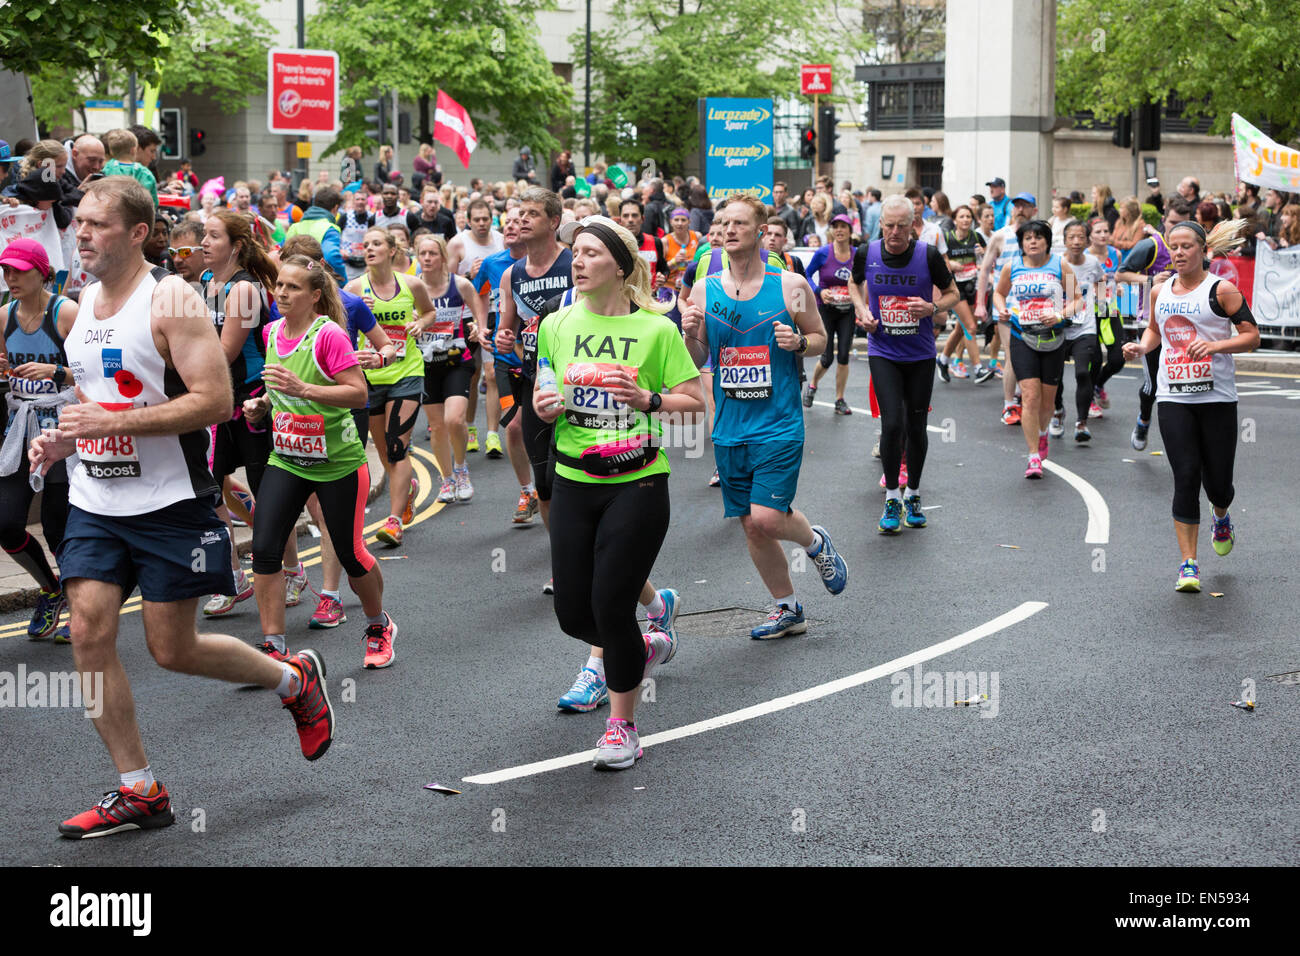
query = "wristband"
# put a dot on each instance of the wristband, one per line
(60, 375)
(803, 344)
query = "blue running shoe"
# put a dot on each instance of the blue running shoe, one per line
(782, 622)
(45, 619)
(587, 693)
(664, 624)
(915, 516)
(834, 572)
(1139, 437)
(889, 521)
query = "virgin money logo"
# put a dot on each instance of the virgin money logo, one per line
(282, 421)
(289, 103)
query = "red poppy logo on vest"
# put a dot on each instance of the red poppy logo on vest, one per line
(289, 103)
(127, 384)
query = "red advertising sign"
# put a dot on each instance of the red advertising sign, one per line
(302, 91)
(815, 78)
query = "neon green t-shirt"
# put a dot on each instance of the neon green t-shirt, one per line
(583, 348)
(137, 172)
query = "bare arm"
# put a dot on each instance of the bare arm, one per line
(694, 329)
(1000, 293)
(802, 306)
(243, 312)
(477, 308)
(507, 314)
(986, 270)
(424, 306)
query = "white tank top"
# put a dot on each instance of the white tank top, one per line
(496, 242)
(116, 364)
(1182, 319)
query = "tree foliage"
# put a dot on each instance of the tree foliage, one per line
(40, 35)
(1220, 56)
(902, 31)
(483, 53)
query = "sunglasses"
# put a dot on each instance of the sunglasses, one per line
(184, 252)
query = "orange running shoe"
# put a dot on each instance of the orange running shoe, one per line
(527, 507)
(409, 512)
(391, 532)
(378, 644)
(122, 809)
(311, 709)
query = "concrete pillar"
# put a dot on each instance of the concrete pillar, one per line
(1000, 97)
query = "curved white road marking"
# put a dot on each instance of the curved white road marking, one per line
(1098, 514)
(1001, 622)
(1098, 531)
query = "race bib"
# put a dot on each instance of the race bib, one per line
(968, 273)
(436, 341)
(837, 295)
(745, 372)
(1035, 314)
(113, 457)
(27, 388)
(397, 333)
(299, 439)
(528, 337)
(1184, 375)
(587, 400)
(895, 319)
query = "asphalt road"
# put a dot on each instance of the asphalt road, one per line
(1112, 742)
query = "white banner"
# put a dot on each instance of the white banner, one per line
(1261, 161)
(1276, 299)
(24, 222)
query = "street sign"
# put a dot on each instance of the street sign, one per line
(302, 92)
(815, 79)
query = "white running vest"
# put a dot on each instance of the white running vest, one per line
(116, 364)
(1181, 320)
(496, 242)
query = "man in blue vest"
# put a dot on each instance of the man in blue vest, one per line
(318, 222)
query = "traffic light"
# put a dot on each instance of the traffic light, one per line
(404, 127)
(1123, 135)
(198, 142)
(808, 143)
(826, 133)
(378, 131)
(1149, 127)
(170, 128)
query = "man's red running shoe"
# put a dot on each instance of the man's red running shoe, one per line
(121, 809)
(311, 709)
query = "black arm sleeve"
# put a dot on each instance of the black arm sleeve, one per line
(552, 304)
(1243, 314)
(1140, 257)
(940, 274)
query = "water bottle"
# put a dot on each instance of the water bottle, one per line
(546, 380)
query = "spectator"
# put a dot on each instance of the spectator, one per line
(1000, 201)
(781, 207)
(1288, 233)
(186, 175)
(1190, 190)
(146, 145)
(597, 174)
(701, 209)
(350, 166)
(1207, 214)
(1103, 204)
(818, 222)
(318, 222)
(434, 216)
(871, 220)
(425, 169)
(524, 168)
(1060, 216)
(85, 160)
(1155, 198)
(561, 171)
(942, 211)
(1129, 226)
(656, 222)
(121, 146)
(853, 212)
(303, 199)
(384, 168)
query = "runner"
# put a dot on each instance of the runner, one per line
(466, 253)
(1000, 251)
(1081, 335)
(758, 433)
(545, 271)
(352, 226)
(1148, 258)
(1194, 315)
(312, 379)
(679, 248)
(832, 267)
(965, 248)
(1110, 324)
(39, 387)
(403, 308)
(900, 275)
(142, 500)
(1037, 293)
(611, 508)
(448, 364)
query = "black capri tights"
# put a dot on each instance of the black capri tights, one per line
(342, 501)
(1201, 445)
(1086, 353)
(903, 392)
(839, 325)
(604, 542)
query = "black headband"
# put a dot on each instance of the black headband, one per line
(1191, 224)
(625, 260)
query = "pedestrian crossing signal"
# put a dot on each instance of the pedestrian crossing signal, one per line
(808, 143)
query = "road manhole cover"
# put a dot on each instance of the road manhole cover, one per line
(1292, 677)
(723, 621)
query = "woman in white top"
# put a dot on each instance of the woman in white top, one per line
(1193, 318)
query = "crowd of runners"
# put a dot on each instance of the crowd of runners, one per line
(236, 370)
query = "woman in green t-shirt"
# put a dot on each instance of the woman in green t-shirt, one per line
(313, 380)
(607, 364)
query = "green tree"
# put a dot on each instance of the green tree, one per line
(37, 35)
(649, 72)
(483, 53)
(217, 49)
(1219, 56)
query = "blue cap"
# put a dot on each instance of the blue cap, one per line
(1025, 197)
(6, 154)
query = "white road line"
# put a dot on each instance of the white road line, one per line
(999, 623)
(1098, 514)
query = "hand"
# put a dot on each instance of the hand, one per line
(369, 358)
(87, 420)
(4, 364)
(692, 319)
(284, 381)
(1201, 349)
(867, 322)
(980, 311)
(34, 370)
(414, 328)
(474, 266)
(256, 408)
(369, 300)
(49, 446)
(786, 337)
(623, 388)
(12, 200)
(505, 341)
(918, 308)
(547, 405)
(484, 339)
(470, 330)
(1132, 351)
